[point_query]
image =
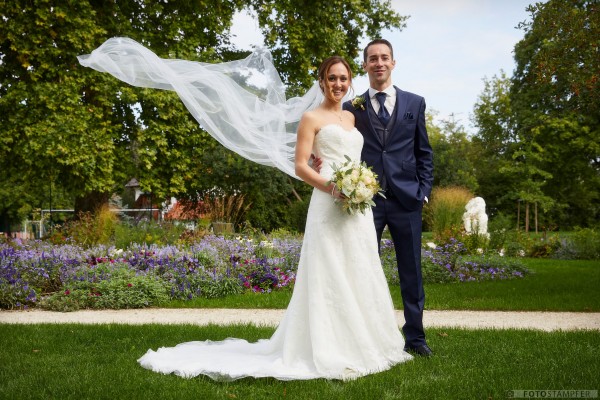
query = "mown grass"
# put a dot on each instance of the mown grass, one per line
(555, 285)
(86, 361)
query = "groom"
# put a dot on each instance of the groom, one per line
(396, 145)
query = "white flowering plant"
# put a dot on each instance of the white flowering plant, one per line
(358, 183)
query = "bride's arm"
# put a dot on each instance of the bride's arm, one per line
(307, 130)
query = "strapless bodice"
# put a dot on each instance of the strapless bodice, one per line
(333, 143)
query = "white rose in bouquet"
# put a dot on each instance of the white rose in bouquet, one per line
(363, 193)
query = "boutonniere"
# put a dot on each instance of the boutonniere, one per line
(358, 101)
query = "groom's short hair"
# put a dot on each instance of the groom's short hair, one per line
(378, 41)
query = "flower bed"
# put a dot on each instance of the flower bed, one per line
(68, 277)
(452, 263)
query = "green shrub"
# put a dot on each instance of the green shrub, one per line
(283, 233)
(501, 228)
(443, 267)
(212, 289)
(16, 295)
(147, 232)
(67, 300)
(583, 244)
(515, 247)
(487, 267)
(475, 243)
(296, 215)
(123, 289)
(433, 272)
(544, 246)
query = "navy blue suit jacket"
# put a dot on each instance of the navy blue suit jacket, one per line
(406, 159)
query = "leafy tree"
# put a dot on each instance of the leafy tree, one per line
(538, 130)
(86, 134)
(494, 145)
(78, 130)
(301, 34)
(508, 165)
(452, 154)
(556, 103)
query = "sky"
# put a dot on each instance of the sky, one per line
(446, 50)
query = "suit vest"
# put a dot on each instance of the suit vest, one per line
(382, 131)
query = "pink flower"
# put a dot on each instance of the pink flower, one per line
(67, 292)
(129, 285)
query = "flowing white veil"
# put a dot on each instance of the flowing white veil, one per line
(240, 103)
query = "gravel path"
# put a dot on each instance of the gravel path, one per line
(545, 321)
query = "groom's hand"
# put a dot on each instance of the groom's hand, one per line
(315, 162)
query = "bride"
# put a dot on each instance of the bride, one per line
(340, 323)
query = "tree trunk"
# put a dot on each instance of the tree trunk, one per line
(90, 202)
(527, 217)
(5, 224)
(518, 214)
(536, 219)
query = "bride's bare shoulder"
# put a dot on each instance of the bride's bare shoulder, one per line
(312, 120)
(309, 124)
(313, 115)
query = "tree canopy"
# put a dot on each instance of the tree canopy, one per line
(539, 130)
(69, 130)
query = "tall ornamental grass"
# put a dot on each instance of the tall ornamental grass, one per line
(445, 211)
(88, 229)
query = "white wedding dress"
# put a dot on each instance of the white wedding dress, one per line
(340, 323)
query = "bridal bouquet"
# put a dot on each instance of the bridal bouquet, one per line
(358, 183)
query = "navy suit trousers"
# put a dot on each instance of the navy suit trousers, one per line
(405, 228)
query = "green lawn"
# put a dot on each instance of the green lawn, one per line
(99, 362)
(555, 285)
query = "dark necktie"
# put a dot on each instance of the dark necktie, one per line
(383, 114)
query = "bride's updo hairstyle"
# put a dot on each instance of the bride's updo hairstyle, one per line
(327, 63)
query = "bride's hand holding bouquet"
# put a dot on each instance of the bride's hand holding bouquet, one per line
(358, 185)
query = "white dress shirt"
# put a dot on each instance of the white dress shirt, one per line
(390, 99)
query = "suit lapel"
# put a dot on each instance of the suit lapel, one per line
(401, 104)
